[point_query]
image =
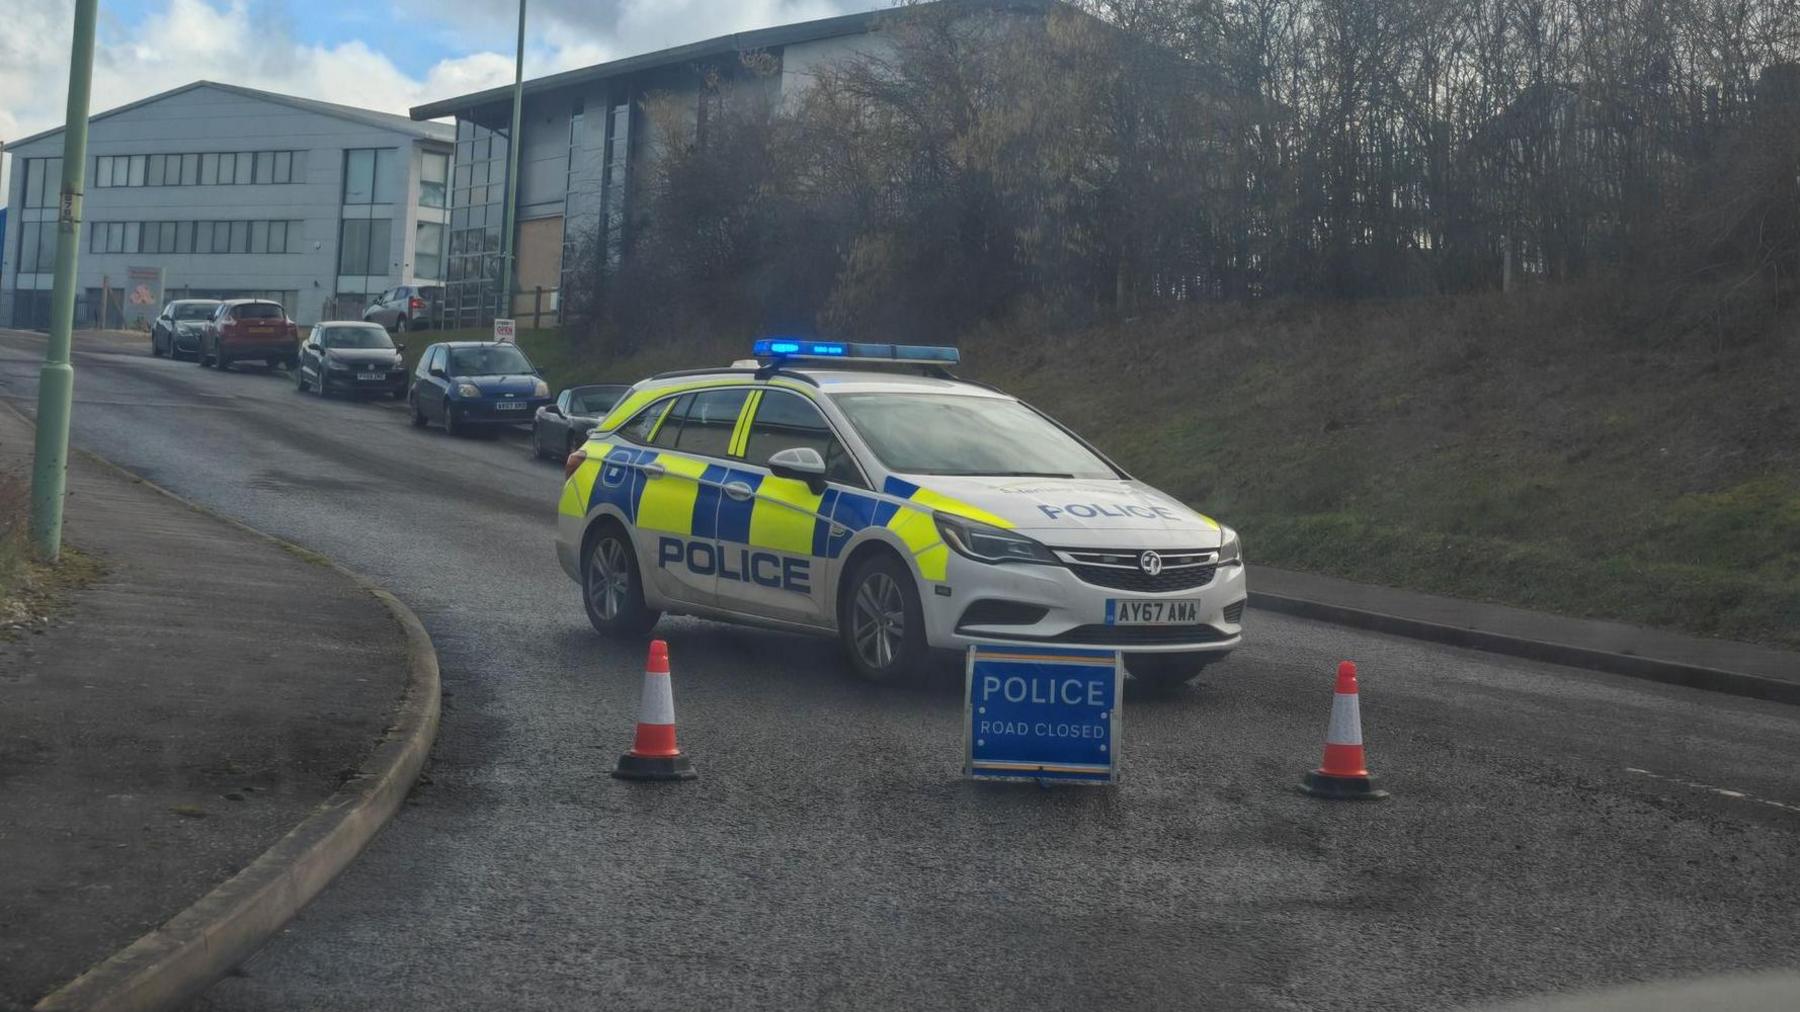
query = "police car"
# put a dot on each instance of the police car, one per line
(863, 491)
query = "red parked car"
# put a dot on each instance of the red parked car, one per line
(249, 328)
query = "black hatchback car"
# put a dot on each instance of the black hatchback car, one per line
(563, 425)
(351, 356)
(475, 384)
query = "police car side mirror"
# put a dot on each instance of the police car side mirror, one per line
(799, 463)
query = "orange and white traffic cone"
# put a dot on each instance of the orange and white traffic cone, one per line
(654, 755)
(1344, 775)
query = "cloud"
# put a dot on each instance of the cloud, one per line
(254, 44)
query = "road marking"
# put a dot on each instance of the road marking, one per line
(1721, 791)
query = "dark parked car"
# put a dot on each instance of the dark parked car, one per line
(249, 328)
(468, 384)
(176, 333)
(562, 426)
(408, 307)
(353, 357)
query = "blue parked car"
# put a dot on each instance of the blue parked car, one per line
(464, 385)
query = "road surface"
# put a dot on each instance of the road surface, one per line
(830, 855)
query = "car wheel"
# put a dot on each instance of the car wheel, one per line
(451, 426)
(612, 590)
(1166, 672)
(220, 362)
(571, 444)
(299, 381)
(881, 623)
(320, 385)
(418, 416)
(155, 347)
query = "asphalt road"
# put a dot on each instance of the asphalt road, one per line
(830, 855)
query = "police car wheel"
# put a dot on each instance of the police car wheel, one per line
(610, 586)
(882, 626)
(1165, 671)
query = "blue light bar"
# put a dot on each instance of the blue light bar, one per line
(779, 349)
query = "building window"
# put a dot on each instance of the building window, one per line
(43, 182)
(363, 246)
(369, 176)
(37, 247)
(434, 170)
(428, 251)
(284, 166)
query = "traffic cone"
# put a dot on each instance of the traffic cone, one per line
(1344, 775)
(653, 754)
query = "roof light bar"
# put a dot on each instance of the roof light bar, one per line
(779, 349)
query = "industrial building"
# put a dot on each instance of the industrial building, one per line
(213, 190)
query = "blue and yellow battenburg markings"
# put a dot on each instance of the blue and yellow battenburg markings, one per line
(785, 516)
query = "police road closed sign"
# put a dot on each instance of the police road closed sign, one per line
(1043, 713)
(503, 331)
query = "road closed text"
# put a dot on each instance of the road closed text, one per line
(1043, 691)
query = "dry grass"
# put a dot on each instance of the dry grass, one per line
(31, 593)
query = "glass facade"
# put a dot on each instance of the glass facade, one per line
(477, 214)
(364, 245)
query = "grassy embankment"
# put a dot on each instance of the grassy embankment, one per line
(1531, 450)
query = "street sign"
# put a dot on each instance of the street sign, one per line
(1042, 713)
(503, 331)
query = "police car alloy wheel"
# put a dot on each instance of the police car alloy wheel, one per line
(882, 625)
(611, 589)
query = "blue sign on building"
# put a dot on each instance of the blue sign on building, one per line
(1043, 713)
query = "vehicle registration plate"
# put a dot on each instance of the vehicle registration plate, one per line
(370, 377)
(508, 405)
(1124, 611)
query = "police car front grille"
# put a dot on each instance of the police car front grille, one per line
(1120, 569)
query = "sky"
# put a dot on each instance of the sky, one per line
(380, 54)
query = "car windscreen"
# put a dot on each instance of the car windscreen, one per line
(193, 310)
(594, 400)
(257, 311)
(952, 434)
(354, 337)
(497, 360)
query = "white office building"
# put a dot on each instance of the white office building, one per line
(217, 191)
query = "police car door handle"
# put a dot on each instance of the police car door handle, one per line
(738, 490)
(654, 470)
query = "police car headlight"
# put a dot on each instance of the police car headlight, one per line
(1230, 550)
(541, 390)
(990, 544)
(467, 390)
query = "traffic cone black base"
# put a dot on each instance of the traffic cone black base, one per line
(637, 767)
(1324, 785)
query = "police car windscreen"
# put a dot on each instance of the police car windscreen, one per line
(949, 434)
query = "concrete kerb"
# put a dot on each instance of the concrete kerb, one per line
(1632, 665)
(173, 964)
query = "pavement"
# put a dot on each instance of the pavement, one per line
(1551, 829)
(199, 700)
